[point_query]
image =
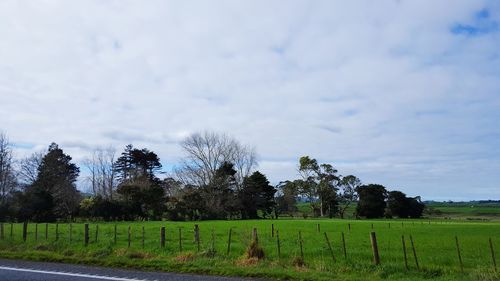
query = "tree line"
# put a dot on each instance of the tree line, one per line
(217, 179)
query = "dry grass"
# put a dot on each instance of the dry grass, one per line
(185, 257)
(255, 251)
(245, 261)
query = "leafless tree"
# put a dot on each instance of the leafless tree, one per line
(28, 168)
(207, 151)
(102, 176)
(7, 174)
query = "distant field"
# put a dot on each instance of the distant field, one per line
(468, 210)
(455, 210)
(434, 241)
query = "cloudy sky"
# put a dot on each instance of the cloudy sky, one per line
(402, 93)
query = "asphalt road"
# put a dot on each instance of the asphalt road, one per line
(16, 270)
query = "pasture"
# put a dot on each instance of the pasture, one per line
(435, 244)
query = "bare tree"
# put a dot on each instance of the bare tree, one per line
(28, 168)
(207, 151)
(102, 176)
(7, 174)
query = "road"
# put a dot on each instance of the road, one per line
(16, 270)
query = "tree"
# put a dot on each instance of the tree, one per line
(286, 199)
(219, 196)
(55, 184)
(187, 204)
(140, 189)
(207, 152)
(123, 165)
(135, 163)
(256, 195)
(371, 202)
(102, 175)
(7, 174)
(416, 207)
(347, 193)
(319, 183)
(398, 204)
(29, 166)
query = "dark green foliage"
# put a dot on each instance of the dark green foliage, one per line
(136, 163)
(219, 197)
(141, 199)
(286, 201)
(142, 195)
(99, 207)
(257, 195)
(54, 193)
(371, 202)
(403, 207)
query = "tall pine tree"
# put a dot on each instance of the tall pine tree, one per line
(54, 191)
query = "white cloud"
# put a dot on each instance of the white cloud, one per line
(380, 89)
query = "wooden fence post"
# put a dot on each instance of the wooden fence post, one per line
(373, 239)
(70, 232)
(128, 236)
(459, 255)
(229, 241)
(96, 233)
(197, 236)
(86, 234)
(343, 245)
(493, 255)
(255, 237)
(272, 230)
(180, 240)
(142, 237)
(372, 225)
(414, 252)
(329, 246)
(1, 231)
(11, 230)
(404, 251)
(115, 234)
(318, 228)
(25, 230)
(46, 231)
(213, 242)
(162, 237)
(36, 231)
(349, 227)
(301, 246)
(278, 243)
(57, 231)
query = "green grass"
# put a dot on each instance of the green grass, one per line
(467, 210)
(435, 247)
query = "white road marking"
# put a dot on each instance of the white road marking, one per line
(70, 274)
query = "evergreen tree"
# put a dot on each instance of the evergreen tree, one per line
(257, 195)
(371, 202)
(54, 191)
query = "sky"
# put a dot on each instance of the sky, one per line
(400, 93)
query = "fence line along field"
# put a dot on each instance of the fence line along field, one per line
(291, 249)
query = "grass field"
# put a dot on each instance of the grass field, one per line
(467, 210)
(434, 242)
